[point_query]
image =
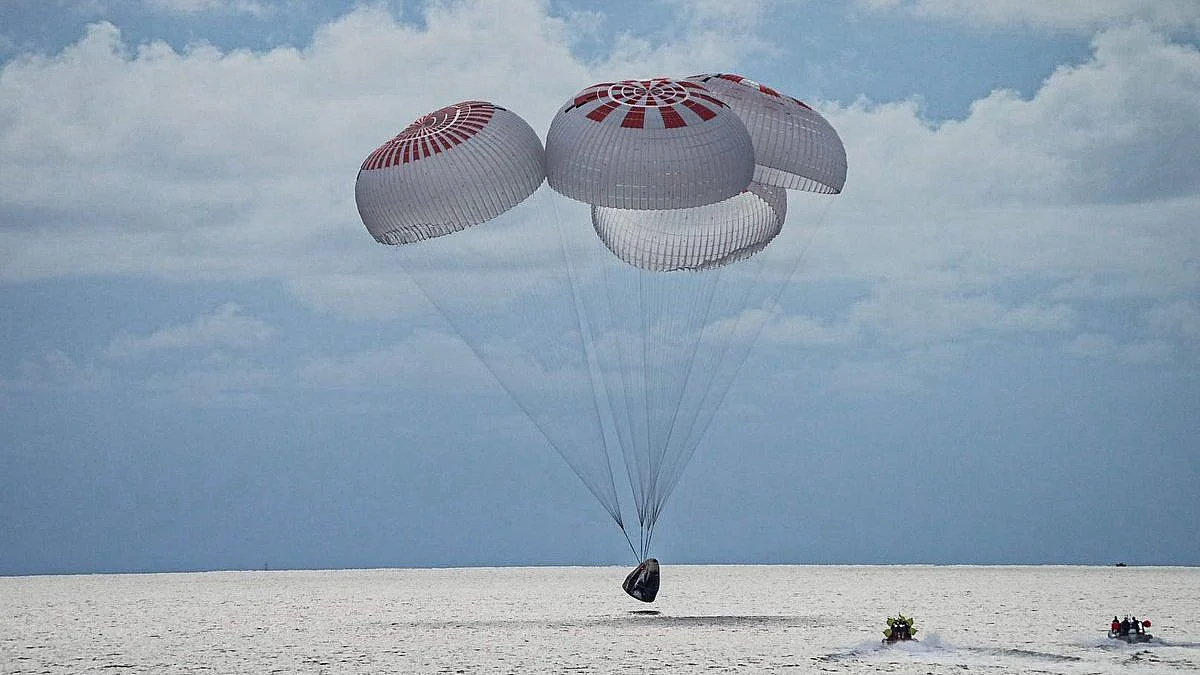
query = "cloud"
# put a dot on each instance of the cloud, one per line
(54, 370)
(1176, 323)
(191, 7)
(226, 327)
(908, 315)
(1118, 128)
(200, 164)
(1068, 15)
(1107, 347)
(217, 381)
(1180, 318)
(1022, 216)
(427, 357)
(874, 377)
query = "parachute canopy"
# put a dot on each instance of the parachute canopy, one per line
(619, 341)
(456, 167)
(648, 144)
(694, 238)
(794, 147)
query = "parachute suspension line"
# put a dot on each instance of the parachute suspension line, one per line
(646, 485)
(716, 368)
(758, 330)
(631, 547)
(661, 339)
(587, 342)
(649, 370)
(647, 535)
(690, 440)
(620, 358)
(616, 347)
(695, 326)
(612, 509)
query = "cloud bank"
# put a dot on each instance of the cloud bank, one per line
(200, 164)
(1068, 15)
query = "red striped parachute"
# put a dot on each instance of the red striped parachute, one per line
(616, 307)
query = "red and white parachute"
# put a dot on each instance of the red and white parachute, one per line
(617, 318)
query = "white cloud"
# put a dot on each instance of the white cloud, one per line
(874, 377)
(1180, 318)
(120, 159)
(215, 382)
(427, 357)
(813, 331)
(1119, 128)
(1018, 216)
(1103, 346)
(54, 370)
(208, 6)
(914, 315)
(1070, 15)
(226, 327)
(205, 164)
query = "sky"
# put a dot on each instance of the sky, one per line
(991, 353)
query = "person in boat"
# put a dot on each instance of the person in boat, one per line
(899, 628)
(1125, 625)
(1116, 626)
(1135, 625)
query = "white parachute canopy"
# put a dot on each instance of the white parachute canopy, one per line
(616, 319)
(456, 167)
(794, 146)
(648, 144)
(694, 238)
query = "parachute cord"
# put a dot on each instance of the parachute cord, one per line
(701, 325)
(588, 348)
(630, 542)
(664, 339)
(800, 257)
(647, 536)
(647, 392)
(669, 336)
(691, 440)
(614, 510)
(624, 362)
(643, 479)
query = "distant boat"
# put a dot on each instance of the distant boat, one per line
(900, 629)
(1131, 631)
(1121, 564)
(1131, 637)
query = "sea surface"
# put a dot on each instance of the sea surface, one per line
(744, 619)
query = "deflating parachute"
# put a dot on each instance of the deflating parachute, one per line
(618, 341)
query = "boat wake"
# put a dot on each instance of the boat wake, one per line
(933, 646)
(1028, 654)
(928, 644)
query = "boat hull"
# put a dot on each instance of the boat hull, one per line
(1131, 638)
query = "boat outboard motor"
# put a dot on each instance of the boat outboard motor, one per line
(642, 582)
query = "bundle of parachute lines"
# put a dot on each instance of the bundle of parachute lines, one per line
(684, 180)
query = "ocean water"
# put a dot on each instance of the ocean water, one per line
(743, 619)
